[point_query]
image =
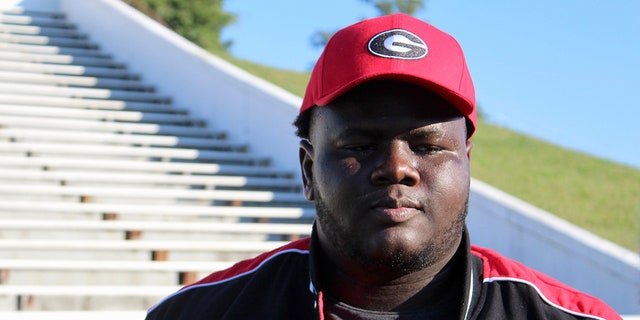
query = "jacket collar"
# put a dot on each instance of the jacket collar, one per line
(463, 258)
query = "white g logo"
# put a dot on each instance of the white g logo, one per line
(398, 44)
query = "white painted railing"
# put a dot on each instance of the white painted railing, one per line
(552, 245)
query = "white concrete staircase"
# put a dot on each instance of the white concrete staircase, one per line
(110, 196)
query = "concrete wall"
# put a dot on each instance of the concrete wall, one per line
(552, 245)
(254, 111)
(228, 98)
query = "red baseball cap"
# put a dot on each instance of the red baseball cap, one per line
(394, 47)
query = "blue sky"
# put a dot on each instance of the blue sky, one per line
(563, 71)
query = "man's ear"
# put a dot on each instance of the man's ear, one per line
(306, 166)
(469, 147)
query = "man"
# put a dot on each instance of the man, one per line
(386, 123)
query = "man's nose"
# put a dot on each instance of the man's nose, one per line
(396, 166)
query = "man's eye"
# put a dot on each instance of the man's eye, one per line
(360, 147)
(425, 149)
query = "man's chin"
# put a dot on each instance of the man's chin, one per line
(398, 258)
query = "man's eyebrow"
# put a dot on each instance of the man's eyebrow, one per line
(373, 133)
(427, 132)
(357, 132)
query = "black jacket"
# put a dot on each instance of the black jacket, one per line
(282, 284)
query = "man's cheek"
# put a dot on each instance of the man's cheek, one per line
(350, 166)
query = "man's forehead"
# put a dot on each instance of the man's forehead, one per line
(388, 98)
(334, 124)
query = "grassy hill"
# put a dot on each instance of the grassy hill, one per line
(598, 195)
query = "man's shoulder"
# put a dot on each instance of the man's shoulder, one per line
(500, 271)
(249, 266)
(240, 285)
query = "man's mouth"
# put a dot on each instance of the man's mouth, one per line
(395, 210)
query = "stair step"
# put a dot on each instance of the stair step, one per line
(122, 165)
(111, 104)
(103, 126)
(88, 93)
(117, 139)
(139, 193)
(27, 48)
(78, 177)
(164, 226)
(31, 12)
(65, 299)
(48, 41)
(254, 247)
(157, 211)
(75, 290)
(101, 115)
(43, 31)
(59, 59)
(96, 150)
(81, 93)
(66, 70)
(77, 315)
(76, 81)
(36, 20)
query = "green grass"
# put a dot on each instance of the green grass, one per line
(292, 81)
(600, 196)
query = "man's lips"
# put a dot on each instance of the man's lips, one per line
(395, 210)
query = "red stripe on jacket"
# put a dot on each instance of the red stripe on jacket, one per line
(250, 265)
(498, 268)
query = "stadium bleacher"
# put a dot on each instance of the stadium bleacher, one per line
(110, 196)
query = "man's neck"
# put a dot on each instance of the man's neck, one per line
(379, 290)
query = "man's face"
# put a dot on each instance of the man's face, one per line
(388, 168)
